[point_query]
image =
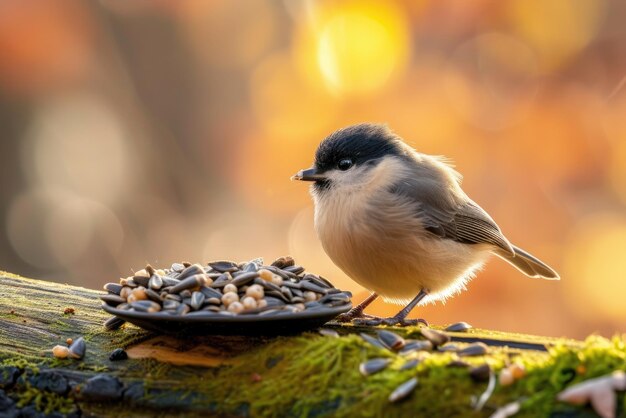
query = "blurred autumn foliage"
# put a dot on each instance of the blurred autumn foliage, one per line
(165, 130)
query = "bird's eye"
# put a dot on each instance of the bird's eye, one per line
(345, 164)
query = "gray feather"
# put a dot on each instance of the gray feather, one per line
(528, 264)
(445, 210)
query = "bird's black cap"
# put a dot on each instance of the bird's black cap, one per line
(360, 143)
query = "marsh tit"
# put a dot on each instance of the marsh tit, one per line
(398, 223)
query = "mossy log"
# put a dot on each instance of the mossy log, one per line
(304, 375)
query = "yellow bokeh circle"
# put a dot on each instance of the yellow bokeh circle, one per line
(355, 48)
(595, 274)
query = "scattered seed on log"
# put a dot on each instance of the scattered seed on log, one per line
(373, 341)
(391, 340)
(78, 348)
(436, 337)
(448, 348)
(328, 332)
(113, 323)
(403, 390)
(480, 373)
(416, 345)
(373, 366)
(411, 364)
(476, 349)
(118, 354)
(459, 327)
(458, 363)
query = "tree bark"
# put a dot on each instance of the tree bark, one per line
(303, 375)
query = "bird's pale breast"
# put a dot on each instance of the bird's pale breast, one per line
(376, 238)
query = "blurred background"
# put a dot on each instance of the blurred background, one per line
(166, 130)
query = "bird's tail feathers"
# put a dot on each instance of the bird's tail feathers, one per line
(528, 264)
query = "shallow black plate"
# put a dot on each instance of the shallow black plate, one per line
(278, 324)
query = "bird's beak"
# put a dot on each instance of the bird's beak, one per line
(310, 174)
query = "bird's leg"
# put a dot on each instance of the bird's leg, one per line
(357, 311)
(400, 317)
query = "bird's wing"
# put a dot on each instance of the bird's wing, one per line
(451, 215)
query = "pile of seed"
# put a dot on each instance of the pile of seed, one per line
(434, 341)
(223, 288)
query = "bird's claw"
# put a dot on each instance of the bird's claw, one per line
(392, 321)
(352, 315)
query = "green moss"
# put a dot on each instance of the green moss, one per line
(46, 402)
(319, 376)
(306, 375)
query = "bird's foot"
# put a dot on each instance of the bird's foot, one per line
(352, 315)
(391, 321)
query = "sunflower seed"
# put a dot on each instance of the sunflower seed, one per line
(141, 280)
(153, 296)
(373, 341)
(391, 340)
(155, 282)
(313, 287)
(294, 269)
(222, 280)
(436, 337)
(78, 348)
(416, 345)
(245, 278)
(146, 306)
(210, 292)
(224, 266)
(177, 267)
(283, 262)
(480, 373)
(328, 332)
(190, 282)
(170, 304)
(129, 282)
(113, 288)
(192, 270)
(169, 282)
(450, 348)
(476, 349)
(374, 366)
(292, 285)
(459, 327)
(183, 309)
(403, 390)
(113, 323)
(112, 300)
(197, 299)
(458, 363)
(411, 364)
(118, 354)
(250, 267)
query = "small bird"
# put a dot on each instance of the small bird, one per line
(398, 223)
